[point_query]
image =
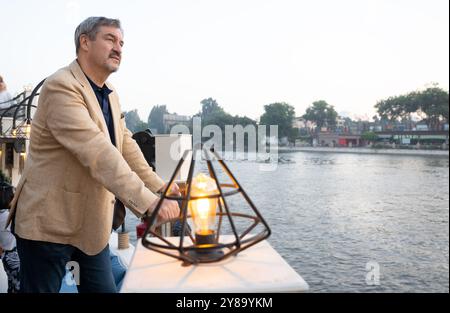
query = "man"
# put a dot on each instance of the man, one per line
(81, 157)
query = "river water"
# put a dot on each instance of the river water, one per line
(339, 219)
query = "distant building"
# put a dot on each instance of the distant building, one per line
(13, 150)
(340, 122)
(170, 120)
(414, 137)
(14, 143)
(301, 123)
(327, 139)
(422, 126)
(376, 128)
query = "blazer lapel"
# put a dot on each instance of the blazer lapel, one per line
(92, 102)
(116, 114)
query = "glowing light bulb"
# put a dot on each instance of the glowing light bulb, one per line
(203, 210)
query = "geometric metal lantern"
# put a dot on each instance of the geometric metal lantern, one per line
(204, 213)
(19, 145)
(23, 130)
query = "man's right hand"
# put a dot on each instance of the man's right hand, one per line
(169, 209)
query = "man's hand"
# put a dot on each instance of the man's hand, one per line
(169, 209)
(175, 190)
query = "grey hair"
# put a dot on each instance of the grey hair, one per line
(91, 26)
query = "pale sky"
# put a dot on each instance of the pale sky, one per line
(243, 53)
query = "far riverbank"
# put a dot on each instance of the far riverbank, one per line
(439, 153)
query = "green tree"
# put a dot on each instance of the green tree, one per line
(321, 113)
(281, 114)
(369, 136)
(430, 104)
(156, 118)
(133, 121)
(244, 121)
(397, 107)
(213, 114)
(209, 107)
(434, 103)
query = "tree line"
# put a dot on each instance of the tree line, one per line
(430, 105)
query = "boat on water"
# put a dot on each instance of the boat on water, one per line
(285, 160)
(279, 160)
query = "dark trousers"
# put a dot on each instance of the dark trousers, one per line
(43, 266)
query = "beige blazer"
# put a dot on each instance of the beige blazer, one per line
(66, 192)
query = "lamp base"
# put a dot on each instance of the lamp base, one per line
(201, 253)
(206, 256)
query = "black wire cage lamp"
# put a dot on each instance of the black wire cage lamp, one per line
(220, 229)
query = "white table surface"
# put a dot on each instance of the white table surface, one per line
(258, 269)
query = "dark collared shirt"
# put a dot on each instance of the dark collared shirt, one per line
(102, 94)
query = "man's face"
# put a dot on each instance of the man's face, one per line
(106, 50)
